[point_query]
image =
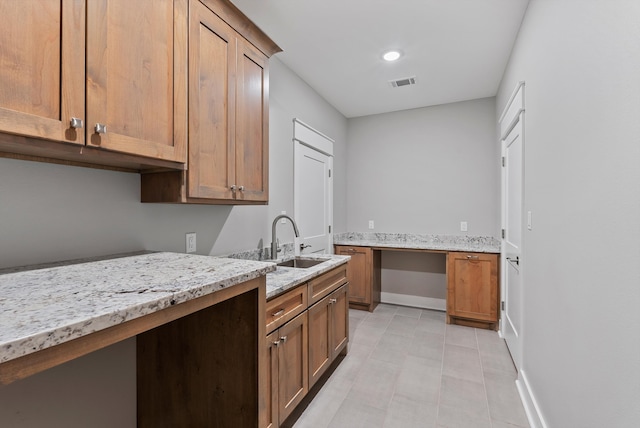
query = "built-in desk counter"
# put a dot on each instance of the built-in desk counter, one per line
(199, 323)
(472, 264)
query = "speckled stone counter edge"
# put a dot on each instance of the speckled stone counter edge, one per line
(48, 306)
(480, 244)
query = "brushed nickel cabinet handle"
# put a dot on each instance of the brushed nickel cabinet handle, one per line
(101, 128)
(76, 123)
(233, 187)
(284, 339)
(278, 313)
(332, 301)
(241, 188)
(470, 257)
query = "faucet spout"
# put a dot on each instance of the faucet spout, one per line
(274, 240)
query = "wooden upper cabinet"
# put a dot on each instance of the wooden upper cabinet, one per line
(228, 113)
(136, 77)
(42, 68)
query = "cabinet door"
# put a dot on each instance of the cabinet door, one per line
(271, 392)
(472, 289)
(339, 320)
(42, 68)
(252, 124)
(136, 76)
(212, 56)
(320, 341)
(293, 365)
(358, 273)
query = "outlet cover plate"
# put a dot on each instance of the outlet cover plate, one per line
(191, 242)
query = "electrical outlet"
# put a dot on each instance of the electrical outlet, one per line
(191, 242)
(370, 224)
(463, 226)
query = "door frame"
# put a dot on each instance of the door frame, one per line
(512, 115)
(316, 140)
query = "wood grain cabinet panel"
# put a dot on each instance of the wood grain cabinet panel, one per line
(472, 289)
(328, 332)
(42, 59)
(363, 273)
(136, 77)
(293, 365)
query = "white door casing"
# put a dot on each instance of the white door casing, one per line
(512, 290)
(313, 189)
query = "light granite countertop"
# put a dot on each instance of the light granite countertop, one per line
(476, 244)
(47, 306)
(285, 278)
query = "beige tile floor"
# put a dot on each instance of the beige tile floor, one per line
(407, 368)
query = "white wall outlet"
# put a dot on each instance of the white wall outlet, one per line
(463, 226)
(284, 220)
(370, 224)
(191, 242)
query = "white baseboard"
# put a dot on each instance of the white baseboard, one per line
(414, 301)
(529, 401)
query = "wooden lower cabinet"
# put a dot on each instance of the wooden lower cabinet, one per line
(328, 332)
(472, 289)
(288, 358)
(363, 273)
(303, 340)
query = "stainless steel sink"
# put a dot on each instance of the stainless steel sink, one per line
(301, 262)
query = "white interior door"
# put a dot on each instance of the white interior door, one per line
(313, 192)
(512, 245)
(512, 131)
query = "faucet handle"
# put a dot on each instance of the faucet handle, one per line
(303, 246)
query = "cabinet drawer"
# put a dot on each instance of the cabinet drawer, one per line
(326, 283)
(285, 307)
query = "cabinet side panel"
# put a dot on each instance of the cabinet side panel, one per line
(202, 370)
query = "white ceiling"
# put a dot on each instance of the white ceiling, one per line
(457, 49)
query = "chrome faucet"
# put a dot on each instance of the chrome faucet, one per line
(274, 240)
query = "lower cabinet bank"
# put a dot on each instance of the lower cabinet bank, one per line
(307, 328)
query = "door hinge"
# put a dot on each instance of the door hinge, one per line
(503, 234)
(329, 228)
(502, 305)
(504, 161)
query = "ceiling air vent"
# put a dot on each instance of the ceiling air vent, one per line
(403, 82)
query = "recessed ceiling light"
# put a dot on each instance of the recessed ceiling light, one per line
(391, 55)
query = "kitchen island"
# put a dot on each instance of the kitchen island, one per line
(198, 320)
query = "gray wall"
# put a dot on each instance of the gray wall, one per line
(580, 61)
(424, 171)
(54, 212)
